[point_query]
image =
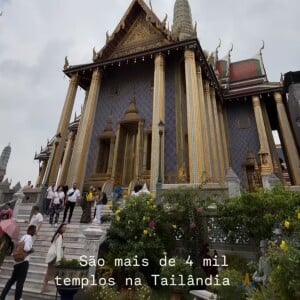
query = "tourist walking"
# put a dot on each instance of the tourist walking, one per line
(20, 268)
(72, 197)
(56, 204)
(54, 255)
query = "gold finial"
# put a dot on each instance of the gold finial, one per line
(230, 49)
(281, 78)
(165, 20)
(262, 47)
(107, 37)
(219, 45)
(66, 65)
(95, 54)
(195, 28)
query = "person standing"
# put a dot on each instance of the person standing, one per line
(49, 197)
(54, 255)
(55, 205)
(20, 268)
(36, 218)
(6, 212)
(86, 216)
(73, 196)
(101, 202)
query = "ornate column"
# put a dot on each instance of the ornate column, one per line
(264, 151)
(111, 154)
(194, 95)
(62, 130)
(288, 140)
(274, 153)
(212, 141)
(220, 152)
(204, 163)
(82, 143)
(180, 138)
(66, 159)
(139, 143)
(158, 114)
(145, 147)
(41, 173)
(50, 161)
(224, 144)
(116, 149)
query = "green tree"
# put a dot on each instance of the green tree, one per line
(257, 212)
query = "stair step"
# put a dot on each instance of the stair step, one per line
(74, 243)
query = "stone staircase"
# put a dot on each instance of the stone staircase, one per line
(74, 242)
(286, 178)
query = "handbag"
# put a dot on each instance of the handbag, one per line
(51, 254)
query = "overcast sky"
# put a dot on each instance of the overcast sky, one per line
(36, 35)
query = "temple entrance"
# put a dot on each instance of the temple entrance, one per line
(127, 150)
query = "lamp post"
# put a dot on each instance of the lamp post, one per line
(161, 127)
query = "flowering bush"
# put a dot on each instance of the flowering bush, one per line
(186, 212)
(98, 292)
(139, 232)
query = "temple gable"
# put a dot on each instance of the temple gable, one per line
(140, 37)
(139, 30)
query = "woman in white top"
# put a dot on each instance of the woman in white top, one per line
(36, 218)
(54, 255)
(49, 196)
(56, 204)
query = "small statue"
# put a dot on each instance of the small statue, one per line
(264, 268)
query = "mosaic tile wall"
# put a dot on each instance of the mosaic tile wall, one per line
(137, 79)
(242, 134)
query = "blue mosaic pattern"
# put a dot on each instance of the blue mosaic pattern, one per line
(170, 119)
(130, 80)
(241, 140)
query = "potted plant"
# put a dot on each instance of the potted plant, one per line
(180, 272)
(68, 277)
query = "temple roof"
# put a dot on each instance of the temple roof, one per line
(244, 77)
(139, 29)
(241, 70)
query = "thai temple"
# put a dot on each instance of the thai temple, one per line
(159, 108)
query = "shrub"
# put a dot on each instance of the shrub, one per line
(234, 291)
(258, 212)
(138, 232)
(180, 268)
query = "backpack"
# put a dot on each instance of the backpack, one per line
(19, 254)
